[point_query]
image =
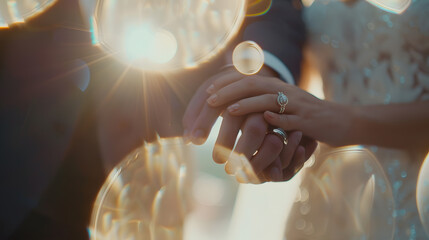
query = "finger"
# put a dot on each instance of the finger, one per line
(253, 134)
(285, 121)
(235, 76)
(245, 173)
(229, 77)
(288, 151)
(198, 101)
(273, 172)
(203, 124)
(261, 103)
(227, 136)
(267, 153)
(246, 87)
(194, 108)
(296, 164)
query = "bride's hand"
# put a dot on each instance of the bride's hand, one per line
(322, 120)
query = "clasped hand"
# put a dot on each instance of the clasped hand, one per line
(269, 158)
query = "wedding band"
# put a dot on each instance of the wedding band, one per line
(282, 101)
(280, 133)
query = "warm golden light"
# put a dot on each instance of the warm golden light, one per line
(17, 11)
(347, 182)
(146, 196)
(248, 58)
(237, 165)
(144, 44)
(159, 35)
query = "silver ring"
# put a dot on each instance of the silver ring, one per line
(280, 133)
(282, 101)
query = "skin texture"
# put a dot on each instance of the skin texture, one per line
(394, 125)
(274, 161)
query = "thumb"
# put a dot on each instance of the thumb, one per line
(287, 122)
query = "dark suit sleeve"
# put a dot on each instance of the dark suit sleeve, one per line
(281, 31)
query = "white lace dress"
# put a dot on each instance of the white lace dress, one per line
(366, 56)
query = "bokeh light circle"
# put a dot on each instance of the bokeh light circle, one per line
(16, 11)
(423, 194)
(162, 35)
(345, 195)
(146, 196)
(248, 57)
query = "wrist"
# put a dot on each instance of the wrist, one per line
(358, 125)
(345, 124)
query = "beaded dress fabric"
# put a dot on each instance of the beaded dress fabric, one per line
(365, 56)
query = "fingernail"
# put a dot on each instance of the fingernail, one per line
(270, 115)
(232, 165)
(275, 174)
(212, 99)
(233, 108)
(219, 156)
(229, 169)
(210, 89)
(241, 177)
(198, 137)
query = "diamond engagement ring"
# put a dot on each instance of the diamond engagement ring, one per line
(282, 101)
(280, 133)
